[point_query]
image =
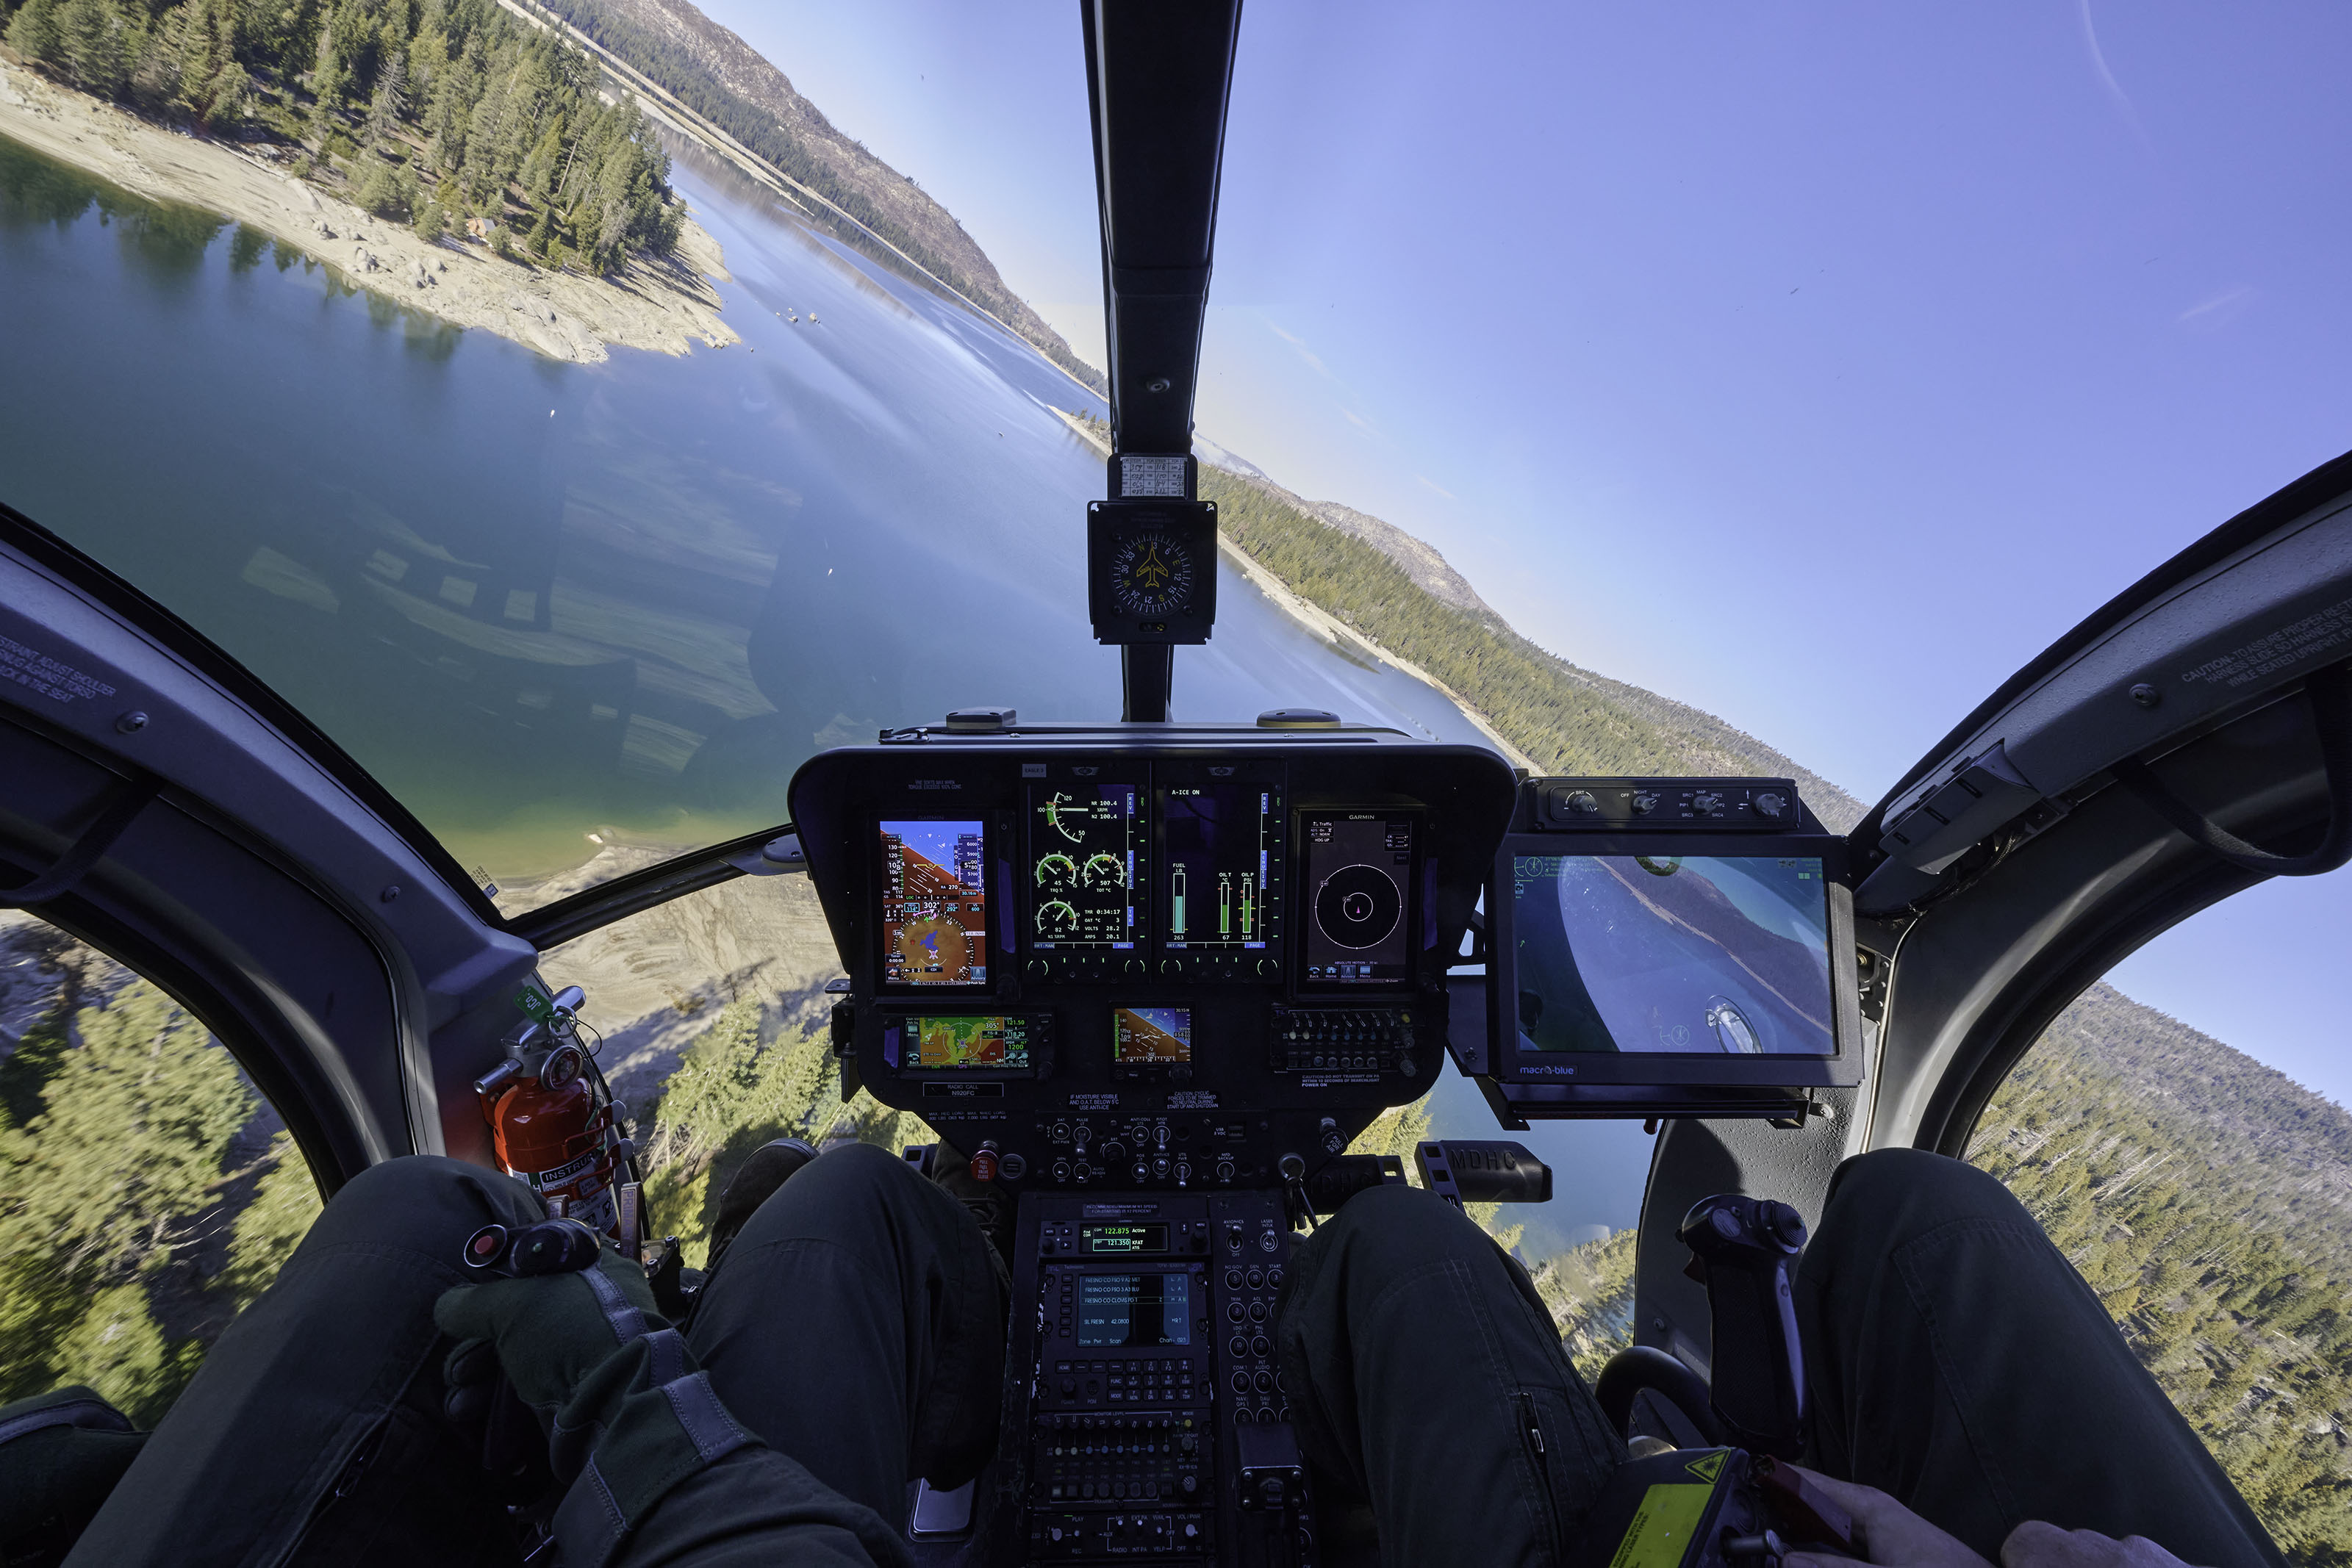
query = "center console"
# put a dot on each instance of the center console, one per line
(1149, 981)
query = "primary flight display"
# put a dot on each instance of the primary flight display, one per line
(934, 903)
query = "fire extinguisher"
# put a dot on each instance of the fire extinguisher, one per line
(553, 1123)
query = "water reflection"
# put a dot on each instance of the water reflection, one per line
(539, 599)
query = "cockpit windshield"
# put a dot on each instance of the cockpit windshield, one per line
(581, 615)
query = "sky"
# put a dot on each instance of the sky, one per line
(1813, 365)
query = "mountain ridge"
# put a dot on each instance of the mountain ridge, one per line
(712, 72)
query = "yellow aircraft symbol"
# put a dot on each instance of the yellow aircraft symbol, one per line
(1151, 571)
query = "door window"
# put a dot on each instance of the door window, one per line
(2208, 1200)
(149, 1191)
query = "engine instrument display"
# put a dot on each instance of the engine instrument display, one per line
(989, 1041)
(1359, 880)
(1151, 1037)
(1221, 887)
(1141, 1311)
(934, 903)
(1667, 953)
(1089, 854)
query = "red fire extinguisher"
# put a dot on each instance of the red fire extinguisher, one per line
(550, 1121)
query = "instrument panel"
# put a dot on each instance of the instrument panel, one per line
(1108, 960)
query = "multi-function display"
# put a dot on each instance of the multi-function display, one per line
(1089, 857)
(1150, 1036)
(1221, 885)
(1359, 886)
(934, 903)
(1684, 954)
(989, 1041)
(1141, 1311)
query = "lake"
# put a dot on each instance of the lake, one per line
(540, 600)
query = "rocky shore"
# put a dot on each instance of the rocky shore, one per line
(666, 305)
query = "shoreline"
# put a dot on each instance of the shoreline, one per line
(666, 307)
(1346, 640)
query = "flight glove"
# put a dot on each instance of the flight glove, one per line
(561, 1340)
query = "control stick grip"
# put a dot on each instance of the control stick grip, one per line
(1469, 1170)
(1744, 1250)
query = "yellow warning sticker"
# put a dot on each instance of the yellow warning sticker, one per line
(1707, 1466)
(1663, 1526)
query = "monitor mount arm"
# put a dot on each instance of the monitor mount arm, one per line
(1158, 80)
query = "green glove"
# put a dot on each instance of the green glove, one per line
(551, 1333)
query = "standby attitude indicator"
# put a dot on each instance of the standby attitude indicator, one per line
(1089, 850)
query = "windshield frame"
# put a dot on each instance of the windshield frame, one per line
(179, 639)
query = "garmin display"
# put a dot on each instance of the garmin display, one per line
(1357, 887)
(1151, 1037)
(1672, 952)
(1089, 856)
(991, 1040)
(1129, 1240)
(934, 902)
(1222, 888)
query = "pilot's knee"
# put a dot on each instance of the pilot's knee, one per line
(422, 1201)
(844, 1189)
(1394, 1227)
(1884, 1198)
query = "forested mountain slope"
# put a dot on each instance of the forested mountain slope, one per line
(728, 83)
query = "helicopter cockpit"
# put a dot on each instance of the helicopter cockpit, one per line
(1148, 979)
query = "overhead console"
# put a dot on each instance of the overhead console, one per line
(1666, 947)
(1157, 957)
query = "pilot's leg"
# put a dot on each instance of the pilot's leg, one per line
(856, 1324)
(1960, 1364)
(1424, 1371)
(313, 1432)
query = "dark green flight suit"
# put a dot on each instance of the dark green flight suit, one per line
(853, 1339)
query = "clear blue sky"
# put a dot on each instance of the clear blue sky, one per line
(1813, 365)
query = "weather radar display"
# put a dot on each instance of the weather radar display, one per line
(934, 904)
(1682, 954)
(1088, 845)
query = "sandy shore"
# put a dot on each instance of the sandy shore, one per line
(1350, 643)
(667, 307)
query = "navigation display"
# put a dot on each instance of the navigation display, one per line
(934, 903)
(1141, 1310)
(1680, 954)
(1146, 1037)
(1359, 878)
(1222, 885)
(990, 1041)
(1090, 853)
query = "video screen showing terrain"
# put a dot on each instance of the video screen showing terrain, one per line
(1224, 866)
(1145, 1036)
(934, 903)
(1679, 954)
(988, 1041)
(1359, 868)
(1088, 849)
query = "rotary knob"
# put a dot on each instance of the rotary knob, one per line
(1708, 803)
(1645, 802)
(1770, 803)
(1580, 802)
